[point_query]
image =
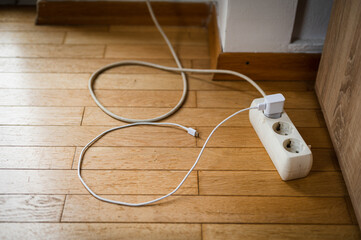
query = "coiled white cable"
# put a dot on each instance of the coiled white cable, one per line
(179, 69)
(189, 130)
(136, 122)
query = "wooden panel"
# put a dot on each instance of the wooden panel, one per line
(32, 37)
(61, 98)
(30, 26)
(246, 137)
(133, 37)
(140, 82)
(155, 51)
(11, 14)
(178, 158)
(248, 183)
(195, 82)
(183, 158)
(276, 231)
(121, 231)
(211, 209)
(104, 12)
(44, 80)
(83, 65)
(193, 116)
(36, 157)
(270, 66)
(339, 90)
(152, 28)
(232, 99)
(101, 182)
(41, 115)
(79, 136)
(52, 51)
(202, 64)
(31, 208)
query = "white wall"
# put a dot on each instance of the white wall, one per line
(222, 13)
(310, 26)
(273, 25)
(312, 19)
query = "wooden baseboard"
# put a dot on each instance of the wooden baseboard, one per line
(269, 66)
(259, 66)
(135, 13)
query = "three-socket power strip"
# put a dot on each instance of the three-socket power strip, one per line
(283, 143)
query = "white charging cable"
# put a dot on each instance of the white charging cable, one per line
(136, 122)
(179, 69)
(191, 131)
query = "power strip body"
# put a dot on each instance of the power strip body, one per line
(283, 143)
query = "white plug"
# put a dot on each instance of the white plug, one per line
(273, 105)
(193, 132)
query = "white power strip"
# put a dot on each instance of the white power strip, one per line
(283, 143)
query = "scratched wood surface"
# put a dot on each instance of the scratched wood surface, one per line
(47, 116)
(339, 92)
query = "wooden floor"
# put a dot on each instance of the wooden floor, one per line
(47, 115)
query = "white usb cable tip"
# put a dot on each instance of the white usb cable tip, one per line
(193, 132)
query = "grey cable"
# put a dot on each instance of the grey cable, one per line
(179, 69)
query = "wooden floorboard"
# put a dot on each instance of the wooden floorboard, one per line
(277, 231)
(210, 209)
(41, 115)
(102, 181)
(79, 98)
(78, 65)
(122, 231)
(80, 135)
(193, 116)
(32, 37)
(31, 208)
(48, 115)
(36, 157)
(133, 37)
(134, 81)
(214, 159)
(52, 51)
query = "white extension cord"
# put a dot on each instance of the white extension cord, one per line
(191, 131)
(136, 122)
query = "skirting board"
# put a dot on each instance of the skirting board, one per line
(110, 12)
(259, 66)
(269, 66)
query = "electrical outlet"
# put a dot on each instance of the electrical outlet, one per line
(283, 143)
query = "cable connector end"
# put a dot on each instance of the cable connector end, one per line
(261, 106)
(273, 105)
(193, 132)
